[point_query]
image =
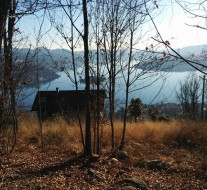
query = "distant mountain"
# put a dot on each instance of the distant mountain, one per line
(48, 58)
(197, 49)
(30, 65)
(161, 62)
(197, 53)
(62, 58)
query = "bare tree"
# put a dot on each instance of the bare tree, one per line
(188, 95)
(72, 37)
(87, 150)
(114, 30)
(12, 71)
(137, 65)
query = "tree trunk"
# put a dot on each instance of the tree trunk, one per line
(98, 101)
(203, 94)
(74, 73)
(122, 144)
(4, 7)
(87, 150)
(8, 96)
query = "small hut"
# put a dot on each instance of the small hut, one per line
(67, 103)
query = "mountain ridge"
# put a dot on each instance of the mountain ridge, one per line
(49, 58)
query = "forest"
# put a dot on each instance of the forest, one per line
(85, 137)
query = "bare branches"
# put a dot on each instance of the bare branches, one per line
(197, 26)
(191, 11)
(193, 64)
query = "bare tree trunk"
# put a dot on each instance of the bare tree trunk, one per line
(4, 6)
(87, 150)
(12, 88)
(112, 84)
(8, 97)
(203, 94)
(74, 73)
(98, 104)
(122, 144)
(98, 93)
(3, 14)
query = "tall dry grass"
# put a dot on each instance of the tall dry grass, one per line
(56, 132)
(59, 132)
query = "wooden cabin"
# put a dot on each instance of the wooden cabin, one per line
(67, 103)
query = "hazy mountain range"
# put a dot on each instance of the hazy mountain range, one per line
(60, 58)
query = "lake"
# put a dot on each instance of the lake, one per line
(162, 90)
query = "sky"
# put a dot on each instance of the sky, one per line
(173, 26)
(171, 23)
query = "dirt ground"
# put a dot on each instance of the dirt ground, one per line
(166, 165)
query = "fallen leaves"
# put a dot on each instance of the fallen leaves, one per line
(56, 168)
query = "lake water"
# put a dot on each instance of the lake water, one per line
(164, 89)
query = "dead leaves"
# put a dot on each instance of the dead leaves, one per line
(182, 170)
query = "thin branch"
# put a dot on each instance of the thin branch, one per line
(197, 26)
(167, 45)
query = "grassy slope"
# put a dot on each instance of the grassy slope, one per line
(179, 146)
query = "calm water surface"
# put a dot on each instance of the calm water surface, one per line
(164, 89)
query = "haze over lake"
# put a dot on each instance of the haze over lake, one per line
(162, 90)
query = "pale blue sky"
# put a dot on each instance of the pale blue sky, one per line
(171, 23)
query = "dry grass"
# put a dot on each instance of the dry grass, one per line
(161, 131)
(55, 132)
(28, 126)
(58, 131)
(178, 146)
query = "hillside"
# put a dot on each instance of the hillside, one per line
(48, 58)
(197, 54)
(157, 156)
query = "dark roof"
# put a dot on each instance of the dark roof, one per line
(65, 99)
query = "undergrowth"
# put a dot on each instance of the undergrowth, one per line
(58, 132)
